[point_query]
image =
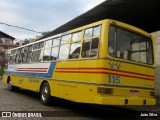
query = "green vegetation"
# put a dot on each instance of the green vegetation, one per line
(3, 61)
(1, 71)
(1, 40)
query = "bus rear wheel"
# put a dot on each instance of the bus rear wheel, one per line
(45, 94)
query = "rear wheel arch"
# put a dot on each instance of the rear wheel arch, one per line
(8, 79)
(11, 87)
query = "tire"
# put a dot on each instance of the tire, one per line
(10, 86)
(45, 94)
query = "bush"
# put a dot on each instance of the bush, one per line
(1, 71)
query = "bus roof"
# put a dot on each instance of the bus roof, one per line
(87, 26)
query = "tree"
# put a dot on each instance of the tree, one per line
(26, 41)
(3, 62)
(17, 43)
(1, 40)
(45, 33)
(3, 58)
(2, 53)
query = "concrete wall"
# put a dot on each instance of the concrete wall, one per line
(156, 36)
(157, 82)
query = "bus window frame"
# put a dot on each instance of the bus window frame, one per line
(91, 38)
(133, 32)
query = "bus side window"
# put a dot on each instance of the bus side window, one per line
(30, 47)
(77, 36)
(10, 59)
(47, 54)
(12, 52)
(21, 55)
(14, 58)
(47, 51)
(64, 52)
(75, 50)
(66, 39)
(17, 58)
(29, 55)
(41, 44)
(34, 56)
(56, 41)
(90, 48)
(88, 33)
(86, 48)
(20, 58)
(36, 46)
(54, 53)
(94, 47)
(97, 31)
(48, 43)
(40, 55)
(18, 51)
(25, 57)
(26, 49)
(55, 49)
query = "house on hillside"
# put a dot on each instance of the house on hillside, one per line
(6, 42)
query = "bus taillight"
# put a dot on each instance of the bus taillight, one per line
(152, 93)
(105, 90)
(134, 92)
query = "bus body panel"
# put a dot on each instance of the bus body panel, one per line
(74, 83)
(99, 71)
(99, 80)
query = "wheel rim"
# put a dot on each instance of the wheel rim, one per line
(45, 92)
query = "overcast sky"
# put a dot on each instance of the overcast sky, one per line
(40, 15)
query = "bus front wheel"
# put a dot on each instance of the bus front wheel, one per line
(45, 94)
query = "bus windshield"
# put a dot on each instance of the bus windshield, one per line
(127, 45)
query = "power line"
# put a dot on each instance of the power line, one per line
(19, 27)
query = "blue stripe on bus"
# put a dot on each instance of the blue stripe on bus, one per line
(28, 74)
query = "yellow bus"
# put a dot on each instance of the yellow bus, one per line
(107, 62)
